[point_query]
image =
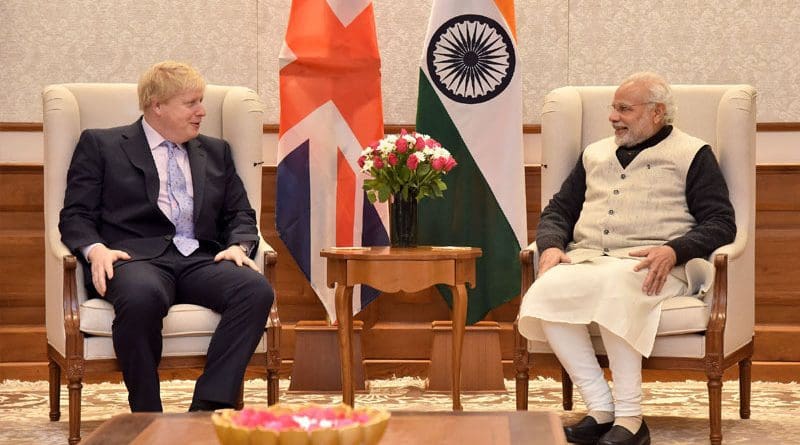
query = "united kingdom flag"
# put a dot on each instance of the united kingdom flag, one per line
(330, 95)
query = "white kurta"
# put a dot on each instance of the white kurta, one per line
(625, 209)
(604, 290)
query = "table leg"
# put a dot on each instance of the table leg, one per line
(344, 316)
(459, 321)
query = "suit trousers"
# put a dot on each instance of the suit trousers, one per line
(142, 292)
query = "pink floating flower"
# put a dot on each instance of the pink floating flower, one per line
(412, 162)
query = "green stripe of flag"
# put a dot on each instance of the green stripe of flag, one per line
(469, 214)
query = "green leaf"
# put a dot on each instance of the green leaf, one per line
(423, 169)
(383, 195)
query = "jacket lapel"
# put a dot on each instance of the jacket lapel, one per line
(134, 144)
(197, 161)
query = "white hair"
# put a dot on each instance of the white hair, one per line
(660, 91)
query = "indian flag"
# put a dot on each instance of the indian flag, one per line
(470, 100)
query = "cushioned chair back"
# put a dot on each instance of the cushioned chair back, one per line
(722, 115)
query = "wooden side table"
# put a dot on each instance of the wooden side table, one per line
(394, 270)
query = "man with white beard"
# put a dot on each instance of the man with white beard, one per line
(613, 241)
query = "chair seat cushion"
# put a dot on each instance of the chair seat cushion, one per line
(679, 315)
(182, 320)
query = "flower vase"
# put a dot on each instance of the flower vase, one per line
(403, 220)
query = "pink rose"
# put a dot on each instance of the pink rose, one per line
(374, 145)
(392, 159)
(432, 143)
(438, 164)
(402, 145)
(449, 164)
(361, 161)
(403, 132)
(420, 143)
(377, 162)
(412, 162)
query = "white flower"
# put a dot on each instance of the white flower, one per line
(367, 166)
(420, 155)
(366, 151)
(428, 151)
(440, 152)
(386, 147)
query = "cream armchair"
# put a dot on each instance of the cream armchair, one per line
(79, 329)
(712, 329)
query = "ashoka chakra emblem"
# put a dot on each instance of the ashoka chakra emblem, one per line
(471, 59)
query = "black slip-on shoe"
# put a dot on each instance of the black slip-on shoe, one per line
(621, 436)
(587, 431)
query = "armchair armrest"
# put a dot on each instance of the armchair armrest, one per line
(734, 249)
(715, 332)
(56, 246)
(529, 260)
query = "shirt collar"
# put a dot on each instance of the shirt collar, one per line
(652, 140)
(154, 139)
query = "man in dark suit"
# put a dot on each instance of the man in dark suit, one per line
(161, 217)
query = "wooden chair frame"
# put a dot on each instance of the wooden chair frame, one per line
(75, 366)
(713, 364)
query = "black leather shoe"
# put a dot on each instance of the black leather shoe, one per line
(621, 436)
(587, 431)
(205, 405)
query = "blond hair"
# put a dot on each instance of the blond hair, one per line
(166, 79)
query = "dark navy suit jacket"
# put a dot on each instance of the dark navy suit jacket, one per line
(112, 194)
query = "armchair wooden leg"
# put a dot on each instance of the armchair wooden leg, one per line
(272, 387)
(566, 390)
(523, 375)
(240, 400)
(744, 388)
(75, 387)
(715, 409)
(522, 364)
(55, 390)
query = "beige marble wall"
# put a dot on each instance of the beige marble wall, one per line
(560, 42)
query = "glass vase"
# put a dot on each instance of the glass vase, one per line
(403, 220)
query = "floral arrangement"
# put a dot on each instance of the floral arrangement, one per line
(408, 163)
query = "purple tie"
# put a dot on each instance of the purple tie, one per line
(180, 203)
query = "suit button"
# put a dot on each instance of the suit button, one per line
(605, 232)
(605, 249)
(168, 237)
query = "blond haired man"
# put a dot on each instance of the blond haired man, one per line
(634, 209)
(159, 214)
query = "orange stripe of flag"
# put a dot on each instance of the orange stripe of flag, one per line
(345, 200)
(506, 8)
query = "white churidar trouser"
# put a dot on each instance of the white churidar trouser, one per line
(573, 347)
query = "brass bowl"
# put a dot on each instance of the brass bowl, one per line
(368, 433)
